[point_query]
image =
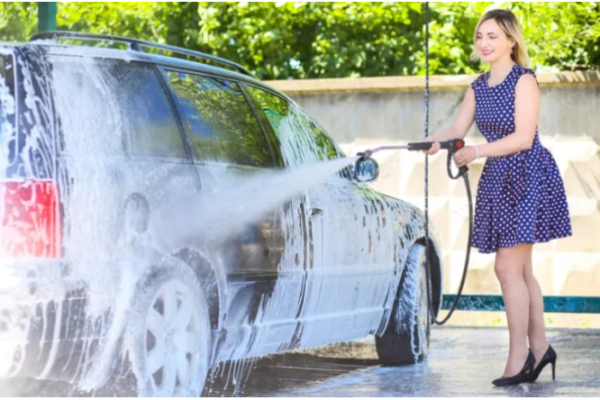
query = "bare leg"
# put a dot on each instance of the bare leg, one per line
(509, 267)
(537, 331)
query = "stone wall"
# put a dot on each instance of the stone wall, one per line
(366, 112)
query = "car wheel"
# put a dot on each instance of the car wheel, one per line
(168, 334)
(406, 338)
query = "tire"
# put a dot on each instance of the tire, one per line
(168, 334)
(406, 338)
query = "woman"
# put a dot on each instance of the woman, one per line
(520, 198)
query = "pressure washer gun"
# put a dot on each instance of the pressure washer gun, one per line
(451, 145)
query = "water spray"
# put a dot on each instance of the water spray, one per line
(367, 169)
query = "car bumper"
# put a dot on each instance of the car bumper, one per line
(44, 331)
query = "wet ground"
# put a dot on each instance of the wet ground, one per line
(462, 362)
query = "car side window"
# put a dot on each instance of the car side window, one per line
(155, 131)
(130, 100)
(219, 121)
(302, 140)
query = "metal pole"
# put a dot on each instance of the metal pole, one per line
(427, 254)
(46, 16)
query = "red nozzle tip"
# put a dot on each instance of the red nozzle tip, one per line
(460, 144)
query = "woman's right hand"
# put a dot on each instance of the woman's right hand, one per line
(433, 149)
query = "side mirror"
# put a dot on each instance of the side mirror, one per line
(366, 170)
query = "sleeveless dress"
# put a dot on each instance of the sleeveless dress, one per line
(521, 196)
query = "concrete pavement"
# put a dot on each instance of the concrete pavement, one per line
(464, 361)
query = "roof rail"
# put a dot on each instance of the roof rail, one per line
(137, 45)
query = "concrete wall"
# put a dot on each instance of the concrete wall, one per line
(366, 112)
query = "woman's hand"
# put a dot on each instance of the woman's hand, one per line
(464, 156)
(433, 149)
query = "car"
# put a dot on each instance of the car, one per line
(129, 172)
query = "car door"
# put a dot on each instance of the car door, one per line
(350, 266)
(263, 257)
(358, 245)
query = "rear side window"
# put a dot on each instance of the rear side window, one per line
(120, 106)
(219, 121)
(155, 132)
(7, 115)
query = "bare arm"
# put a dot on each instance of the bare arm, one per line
(527, 109)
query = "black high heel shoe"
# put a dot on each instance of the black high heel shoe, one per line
(525, 375)
(549, 358)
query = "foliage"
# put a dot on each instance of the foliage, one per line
(18, 21)
(566, 35)
(309, 40)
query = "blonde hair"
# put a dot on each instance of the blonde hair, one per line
(510, 25)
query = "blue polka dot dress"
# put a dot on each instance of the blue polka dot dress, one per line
(521, 196)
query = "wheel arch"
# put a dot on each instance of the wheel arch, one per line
(436, 276)
(212, 279)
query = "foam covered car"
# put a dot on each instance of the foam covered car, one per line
(126, 258)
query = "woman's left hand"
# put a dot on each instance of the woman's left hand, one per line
(464, 156)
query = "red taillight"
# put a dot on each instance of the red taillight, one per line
(30, 216)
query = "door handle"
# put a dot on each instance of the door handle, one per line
(315, 212)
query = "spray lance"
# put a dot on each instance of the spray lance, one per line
(367, 169)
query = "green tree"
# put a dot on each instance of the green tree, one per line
(18, 21)
(562, 35)
(320, 40)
